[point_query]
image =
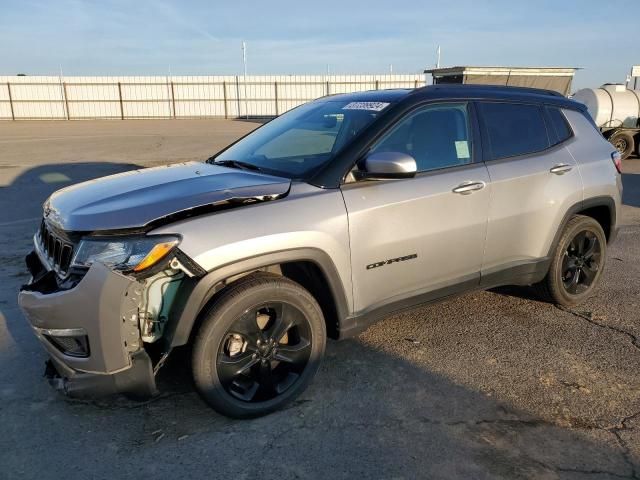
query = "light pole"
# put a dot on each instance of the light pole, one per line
(244, 62)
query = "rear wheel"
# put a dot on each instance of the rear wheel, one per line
(259, 346)
(577, 264)
(624, 143)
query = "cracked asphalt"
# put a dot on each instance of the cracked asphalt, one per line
(488, 385)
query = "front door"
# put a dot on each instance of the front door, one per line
(424, 234)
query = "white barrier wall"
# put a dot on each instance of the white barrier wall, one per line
(77, 98)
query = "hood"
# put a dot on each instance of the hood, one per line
(139, 198)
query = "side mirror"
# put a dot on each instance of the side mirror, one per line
(387, 165)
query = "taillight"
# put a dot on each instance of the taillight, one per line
(617, 161)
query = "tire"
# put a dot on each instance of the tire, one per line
(573, 275)
(624, 143)
(243, 332)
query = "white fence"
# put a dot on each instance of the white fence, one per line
(77, 98)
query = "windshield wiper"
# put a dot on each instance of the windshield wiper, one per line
(238, 164)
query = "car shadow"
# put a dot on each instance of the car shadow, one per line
(26, 193)
(377, 415)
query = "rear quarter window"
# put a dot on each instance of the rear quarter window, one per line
(512, 129)
(559, 129)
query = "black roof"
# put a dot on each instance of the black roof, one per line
(462, 91)
(389, 95)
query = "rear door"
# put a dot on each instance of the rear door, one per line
(534, 181)
(423, 234)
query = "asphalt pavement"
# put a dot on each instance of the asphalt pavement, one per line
(488, 385)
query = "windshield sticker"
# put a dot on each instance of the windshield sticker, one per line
(462, 149)
(372, 106)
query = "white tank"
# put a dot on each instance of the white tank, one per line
(611, 105)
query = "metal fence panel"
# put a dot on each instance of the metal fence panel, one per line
(77, 98)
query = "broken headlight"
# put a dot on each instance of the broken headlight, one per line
(133, 254)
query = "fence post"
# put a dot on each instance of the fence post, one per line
(173, 100)
(275, 90)
(328, 91)
(238, 94)
(377, 84)
(224, 93)
(66, 100)
(13, 115)
(415, 84)
(120, 97)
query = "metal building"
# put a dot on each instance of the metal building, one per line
(551, 78)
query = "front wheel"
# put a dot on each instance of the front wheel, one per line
(259, 346)
(577, 263)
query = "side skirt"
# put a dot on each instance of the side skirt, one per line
(520, 274)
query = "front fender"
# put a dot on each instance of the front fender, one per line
(214, 281)
(310, 224)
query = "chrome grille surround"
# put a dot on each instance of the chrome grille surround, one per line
(54, 249)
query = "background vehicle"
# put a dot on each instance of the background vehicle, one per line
(616, 111)
(316, 225)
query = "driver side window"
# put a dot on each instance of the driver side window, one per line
(436, 136)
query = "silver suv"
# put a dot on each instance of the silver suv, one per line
(316, 225)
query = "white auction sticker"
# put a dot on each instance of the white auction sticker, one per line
(462, 149)
(373, 106)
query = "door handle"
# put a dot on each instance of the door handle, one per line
(468, 187)
(561, 169)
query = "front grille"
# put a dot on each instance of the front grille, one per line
(57, 250)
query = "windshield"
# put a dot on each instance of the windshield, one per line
(298, 143)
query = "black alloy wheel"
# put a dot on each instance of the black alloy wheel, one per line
(264, 352)
(581, 262)
(259, 345)
(577, 262)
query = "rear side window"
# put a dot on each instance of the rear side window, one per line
(513, 129)
(559, 130)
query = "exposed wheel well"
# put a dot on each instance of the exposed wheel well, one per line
(312, 278)
(602, 215)
(308, 274)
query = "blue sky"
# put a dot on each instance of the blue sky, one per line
(140, 37)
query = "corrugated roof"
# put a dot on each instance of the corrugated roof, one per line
(475, 70)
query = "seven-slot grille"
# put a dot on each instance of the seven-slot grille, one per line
(58, 250)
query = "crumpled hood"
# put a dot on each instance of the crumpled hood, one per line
(139, 198)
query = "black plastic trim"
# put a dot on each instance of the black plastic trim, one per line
(214, 281)
(525, 273)
(359, 322)
(521, 273)
(601, 201)
(137, 381)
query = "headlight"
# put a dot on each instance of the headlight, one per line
(126, 254)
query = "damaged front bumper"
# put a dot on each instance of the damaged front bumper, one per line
(90, 331)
